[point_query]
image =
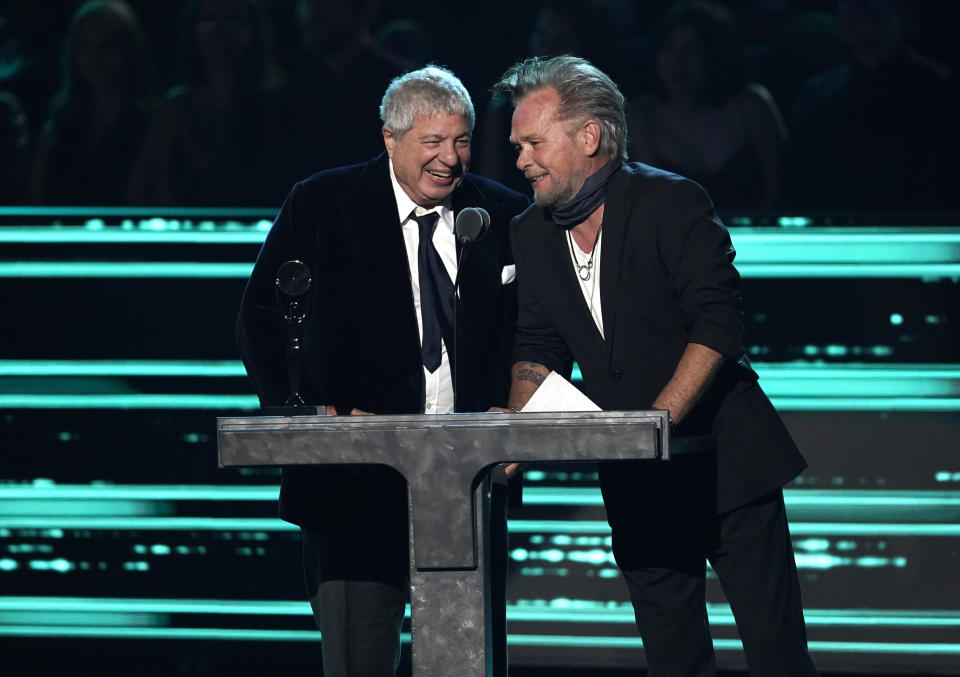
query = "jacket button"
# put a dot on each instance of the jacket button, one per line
(617, 374)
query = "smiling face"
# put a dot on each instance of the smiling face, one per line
(555, 161)
(431, 159)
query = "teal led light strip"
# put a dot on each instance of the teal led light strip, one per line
(796, 528)
(140, 492)
(857, 380)
(176, 269)
(720, 614)
(125, 269)
(517, 526)
(570, 641)
(865, 403)
(590, 496)
(798, 387)
(574, 641)
(250, 402)
(783, 379)
(253, 235)
(129, 401)
(908, 246)
(226, 368)
(263, 524)
(55, 605)
(164, 633)
(846, 245)
(161, 213)
(848, 270)
(533, 495)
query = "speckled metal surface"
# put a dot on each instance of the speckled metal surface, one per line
(444, 459)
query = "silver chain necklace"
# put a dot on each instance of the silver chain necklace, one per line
(584, 270)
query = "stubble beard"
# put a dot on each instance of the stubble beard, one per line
(562, 191)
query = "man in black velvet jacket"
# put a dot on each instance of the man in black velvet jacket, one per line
(356, 229)
(627, 270)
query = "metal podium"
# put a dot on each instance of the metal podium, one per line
(444, 459)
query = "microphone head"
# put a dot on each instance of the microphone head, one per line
(471, 224)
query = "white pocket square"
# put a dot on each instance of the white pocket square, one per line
(508, 274)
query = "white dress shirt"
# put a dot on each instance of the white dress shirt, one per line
(439, 385)
(591, 287)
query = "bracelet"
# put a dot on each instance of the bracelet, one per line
(514, 410)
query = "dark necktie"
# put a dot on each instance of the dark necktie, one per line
(436, 295)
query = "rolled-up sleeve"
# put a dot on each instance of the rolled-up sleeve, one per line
(697, 253)
(536, 339)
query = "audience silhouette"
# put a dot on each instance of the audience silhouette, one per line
(878, 132)
(98, 115)
(871, 120)
(704, 120)
(206, 142)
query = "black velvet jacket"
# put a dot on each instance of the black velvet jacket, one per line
(361, 346)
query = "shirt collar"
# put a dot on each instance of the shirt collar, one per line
(405, 206)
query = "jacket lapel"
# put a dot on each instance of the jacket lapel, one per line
(373, 226)
(615, 215)
(559, 265)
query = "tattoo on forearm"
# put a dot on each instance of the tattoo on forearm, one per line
(526, 373)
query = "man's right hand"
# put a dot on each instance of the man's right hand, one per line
(332, 411)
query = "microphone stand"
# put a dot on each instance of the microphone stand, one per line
(464, 248)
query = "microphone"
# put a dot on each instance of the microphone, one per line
(471, 224)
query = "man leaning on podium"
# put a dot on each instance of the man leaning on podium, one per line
(627, 270)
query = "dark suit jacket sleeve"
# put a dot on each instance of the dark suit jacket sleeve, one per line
(261, 330)
(697, 254)
(536, 339)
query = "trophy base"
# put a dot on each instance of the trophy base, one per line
(294, 410)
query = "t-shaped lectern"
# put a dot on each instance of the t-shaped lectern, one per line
(444, 459)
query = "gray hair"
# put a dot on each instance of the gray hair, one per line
(585, 92)
(422, 92)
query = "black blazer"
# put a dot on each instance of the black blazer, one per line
(361, 345)
(666, 279)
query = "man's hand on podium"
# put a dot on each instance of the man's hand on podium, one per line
(332, 411)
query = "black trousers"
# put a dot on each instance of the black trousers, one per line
(749, 548)
(357, 575)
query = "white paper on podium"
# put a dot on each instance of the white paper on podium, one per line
(558, 394)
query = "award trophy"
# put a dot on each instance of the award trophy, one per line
(292, 282)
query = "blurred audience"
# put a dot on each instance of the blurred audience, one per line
(582, 28)
(206, 144)
(877, 132)
(872, 129)
(796, 45)
(704, 120)
(98, 115)
(328, 113)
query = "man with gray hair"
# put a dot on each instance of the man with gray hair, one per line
(627, 270)
(385, 334)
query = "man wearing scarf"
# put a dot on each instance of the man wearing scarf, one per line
(627, 270)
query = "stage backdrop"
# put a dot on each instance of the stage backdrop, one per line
(120, 538)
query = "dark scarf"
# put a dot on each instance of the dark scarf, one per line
(587, 200)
